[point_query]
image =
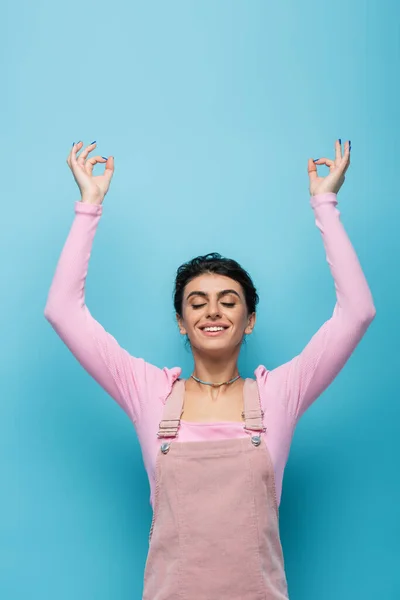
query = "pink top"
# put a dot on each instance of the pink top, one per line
(141, 388)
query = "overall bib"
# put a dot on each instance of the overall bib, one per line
(215, 528)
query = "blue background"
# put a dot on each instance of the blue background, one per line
(211, 110)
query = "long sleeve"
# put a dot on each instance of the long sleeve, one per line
(127, 379)
(308, 374)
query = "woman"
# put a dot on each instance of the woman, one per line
(215, 474)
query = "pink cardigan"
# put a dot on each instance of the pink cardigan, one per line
(141, 388)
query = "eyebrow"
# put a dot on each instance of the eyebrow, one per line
(205, 295)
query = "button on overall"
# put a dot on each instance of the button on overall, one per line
(215, 528)
(164, 448)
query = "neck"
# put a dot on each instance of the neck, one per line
(214, 370)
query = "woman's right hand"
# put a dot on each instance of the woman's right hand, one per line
(93, 188)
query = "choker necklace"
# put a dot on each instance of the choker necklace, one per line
(215, 384)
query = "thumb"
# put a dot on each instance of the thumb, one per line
(312, 170)
(109, 170)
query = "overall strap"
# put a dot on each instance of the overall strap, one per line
(253, 414)
(170, 422)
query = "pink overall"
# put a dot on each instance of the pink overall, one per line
(215, 528)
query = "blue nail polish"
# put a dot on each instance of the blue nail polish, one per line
(340, 141)
(73, 144)
(93, 142)
(349, 145)
(315, 159)
(105, 157)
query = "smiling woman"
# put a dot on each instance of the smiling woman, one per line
(214, 296)
(215, 476)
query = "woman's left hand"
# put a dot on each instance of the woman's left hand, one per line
(337, 169)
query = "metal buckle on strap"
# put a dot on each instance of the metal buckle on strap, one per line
(168, 430)
(165, 434)
(168, 421)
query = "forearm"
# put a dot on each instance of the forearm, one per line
(67, 290)
(352, 291)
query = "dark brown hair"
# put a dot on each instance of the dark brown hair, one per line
(214, 263)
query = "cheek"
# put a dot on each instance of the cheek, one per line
(191, 317)
(241, 317)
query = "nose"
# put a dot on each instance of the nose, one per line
(214, 311)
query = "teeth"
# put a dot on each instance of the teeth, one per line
(213, 328)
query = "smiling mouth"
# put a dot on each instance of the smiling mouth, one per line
(214, 333)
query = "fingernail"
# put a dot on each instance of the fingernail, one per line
(349, 145)
(105, 157)
(340, 141)
(315, 159)
(93, 142)
(73, 143)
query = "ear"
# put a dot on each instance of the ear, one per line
(250, 324)
(181, 327)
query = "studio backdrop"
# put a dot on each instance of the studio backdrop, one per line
(211, 111)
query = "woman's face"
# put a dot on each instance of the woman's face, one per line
(214, 300)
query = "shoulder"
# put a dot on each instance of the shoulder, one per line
(153, 381)
(167, 377)
(261, 374)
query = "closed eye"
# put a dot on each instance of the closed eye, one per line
(228, 304)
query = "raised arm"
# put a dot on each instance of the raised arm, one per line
(308, 374)
(127, 379)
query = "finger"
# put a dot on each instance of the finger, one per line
(345, 161)
(347, 164)
(73, 151)
(325, 161)
(72, 155)
(89, 165)
(83, 155)
(347, 153)
(338, 150)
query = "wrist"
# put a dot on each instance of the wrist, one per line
(323, 194)
(91, 200)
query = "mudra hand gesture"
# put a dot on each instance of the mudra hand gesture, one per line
(93, 188)
(337, 170)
